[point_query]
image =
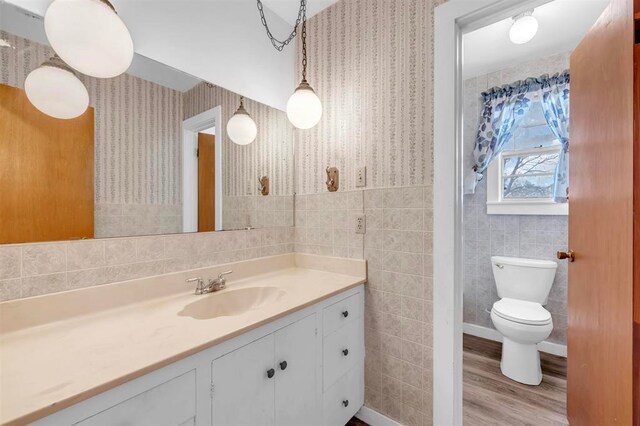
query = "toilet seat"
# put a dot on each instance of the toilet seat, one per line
(522, 312)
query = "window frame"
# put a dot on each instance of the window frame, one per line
(497, 204)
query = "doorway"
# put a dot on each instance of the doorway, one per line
(206, 123)
(456, 240)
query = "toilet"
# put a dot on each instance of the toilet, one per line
(523, 287)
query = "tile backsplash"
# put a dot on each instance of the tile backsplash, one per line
(34, 269)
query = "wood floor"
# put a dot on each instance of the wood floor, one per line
(490, 398)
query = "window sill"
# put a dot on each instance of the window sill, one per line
(544, 208)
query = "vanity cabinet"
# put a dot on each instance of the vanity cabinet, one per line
(271, 381)
(306, 368)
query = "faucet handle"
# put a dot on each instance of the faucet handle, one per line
(222, 274)
(199, 285)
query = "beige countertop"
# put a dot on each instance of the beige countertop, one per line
(60, 349)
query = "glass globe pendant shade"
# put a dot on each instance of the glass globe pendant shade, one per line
(241, 128)
(54, 89)
(524, 28)
(304, 108)
(89, 36)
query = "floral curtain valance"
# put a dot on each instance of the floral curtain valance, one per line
(503, 110)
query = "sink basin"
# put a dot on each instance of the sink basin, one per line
(231, 302)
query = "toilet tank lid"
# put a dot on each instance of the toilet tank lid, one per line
(517, 261)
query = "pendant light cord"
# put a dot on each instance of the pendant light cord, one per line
(280, 44)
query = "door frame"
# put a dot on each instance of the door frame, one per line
(452, 20)
(190, 128)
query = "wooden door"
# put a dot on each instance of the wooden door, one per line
(46, 173)
(206, 182)
(600, 344)
(296, 381)
(243, 394)
(636, 221)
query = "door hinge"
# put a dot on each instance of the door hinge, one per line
(316, 331)
(198, 152)
(211, 390)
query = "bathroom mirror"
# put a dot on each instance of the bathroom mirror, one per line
(150, 154)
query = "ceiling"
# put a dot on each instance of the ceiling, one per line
(219, 41)
(288, 9)
(563, 23)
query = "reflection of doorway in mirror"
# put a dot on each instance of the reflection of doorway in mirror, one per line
(206, 181)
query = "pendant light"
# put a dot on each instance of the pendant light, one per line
(241, 128)
(524, 28)
(304, 108)
(89, 36)
(54, 89)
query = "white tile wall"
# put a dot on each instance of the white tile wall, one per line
(398, 303)
(35, 269)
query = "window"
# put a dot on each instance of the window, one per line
(520, 179)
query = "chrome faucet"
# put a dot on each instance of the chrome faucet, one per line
(218, 284)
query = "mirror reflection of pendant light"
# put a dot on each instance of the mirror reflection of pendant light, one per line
(54, 89)
(304, 108)
(241, 128)
(89, 36)
(524, 28)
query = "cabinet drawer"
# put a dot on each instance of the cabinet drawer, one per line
(171, 403)
(344, 398)
(342, 350)
(341, 313)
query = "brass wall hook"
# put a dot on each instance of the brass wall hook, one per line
(264, 185)
(333, 179)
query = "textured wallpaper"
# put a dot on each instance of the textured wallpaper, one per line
(370, 63)
(270, 154)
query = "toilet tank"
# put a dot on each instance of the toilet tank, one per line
(523, 279)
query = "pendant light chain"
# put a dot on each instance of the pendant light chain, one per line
(304, 48)
(280, 44)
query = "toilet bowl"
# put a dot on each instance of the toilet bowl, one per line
(523, 286)
(523, 325)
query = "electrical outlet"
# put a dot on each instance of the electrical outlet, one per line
(361, 225)
(361, 177)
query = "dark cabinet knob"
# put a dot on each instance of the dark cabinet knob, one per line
(345, 352)
(271, 372)
(345, 402)
(283, 365)
(345, 314)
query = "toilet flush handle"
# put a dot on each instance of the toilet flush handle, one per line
(569, 255)
(499, 266)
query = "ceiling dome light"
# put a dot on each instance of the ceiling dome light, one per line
(524, 28)
(241, 128)
(54, 89)
(89, 36)
(304, 108)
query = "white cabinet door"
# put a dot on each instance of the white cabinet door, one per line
(297, 365)
(172, 403)
(243, 392)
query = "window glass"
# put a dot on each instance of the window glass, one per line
(527, 174)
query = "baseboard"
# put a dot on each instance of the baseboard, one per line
(491, 334)
(374, 418)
